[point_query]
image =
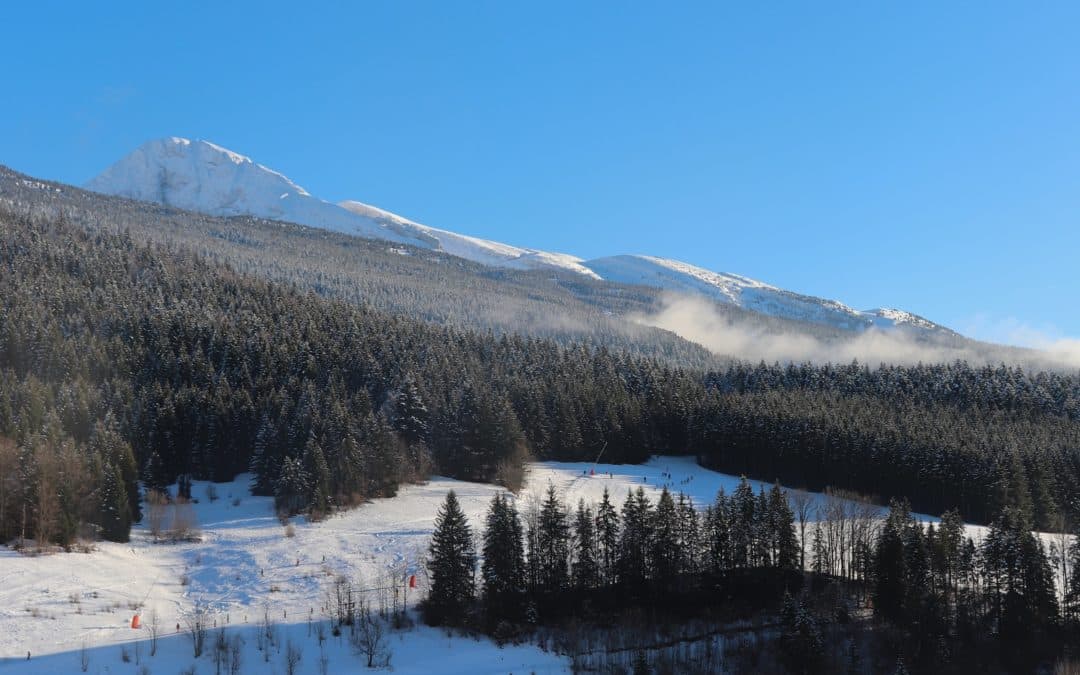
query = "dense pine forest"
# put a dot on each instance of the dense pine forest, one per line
(631, 585)
(124, 361)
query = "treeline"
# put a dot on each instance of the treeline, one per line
(553, 559)
(121, 361)
(951, 604)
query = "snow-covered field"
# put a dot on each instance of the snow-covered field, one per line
(246, 565)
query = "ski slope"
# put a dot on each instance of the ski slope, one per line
(245, 564)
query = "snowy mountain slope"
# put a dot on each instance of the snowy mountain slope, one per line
(483, 251)
(751, 294)
(204, 177)
(200, 176)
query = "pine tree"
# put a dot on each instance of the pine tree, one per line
(503, 569)
(802, 645)
(786, 548)
(821, 563)
(410, 414)
(666, 553)
(451, 564)
(607, 531)
(264, 464)
(319, 471)
(115, 516)
(890, 564)
(635, 542)
(689, 536)
(916, 569)
(553, 544)
(718, 534)
(742, 525)
(762, 532)
(293, 487)
(585, 568)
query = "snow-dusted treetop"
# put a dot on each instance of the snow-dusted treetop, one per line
(204, 177)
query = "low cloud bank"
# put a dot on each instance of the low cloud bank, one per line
(698, 320)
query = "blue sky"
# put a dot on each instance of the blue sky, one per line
(902, 154)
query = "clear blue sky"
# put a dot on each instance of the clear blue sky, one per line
(902, 154)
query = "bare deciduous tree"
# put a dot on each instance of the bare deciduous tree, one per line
(292, 658)
(195, 621)
(370, 637)
(153, 624)
(804, 504)
(184, 524)
(156, 510)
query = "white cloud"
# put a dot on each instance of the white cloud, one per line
(698, 320)
(1013, 331)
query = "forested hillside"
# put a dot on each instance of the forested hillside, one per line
(424, 284)
(122, 360)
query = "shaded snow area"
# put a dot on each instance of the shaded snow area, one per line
(245, 565)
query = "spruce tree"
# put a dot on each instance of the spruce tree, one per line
(607, 532)
(665, 541)
(503, 569)
(553, 544)
(742, 524)
(890, 564)
(115, 515)
(410, 414)
(689, 535)
(782, 518)
(585, 568)
(451, 565)
(719, 534)
(635, 540)
(292, 489)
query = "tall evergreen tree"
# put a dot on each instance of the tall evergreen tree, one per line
(503, 568)
(451, 565)
(786, 549)
(553, 544)
(666, 551)
(585, 568)
(890, 564)
(607, 532)
(742, 524)
(635, 541)
(115, 516)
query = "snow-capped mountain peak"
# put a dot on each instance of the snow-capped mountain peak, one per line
(201, 176)
(205, 177)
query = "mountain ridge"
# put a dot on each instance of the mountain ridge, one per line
(202, 176)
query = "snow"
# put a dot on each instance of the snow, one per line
(735, 289)
(245, 564)
(201, 176)
(483, 251)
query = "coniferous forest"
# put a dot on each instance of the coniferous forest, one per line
(640, 579)
(124, 361)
